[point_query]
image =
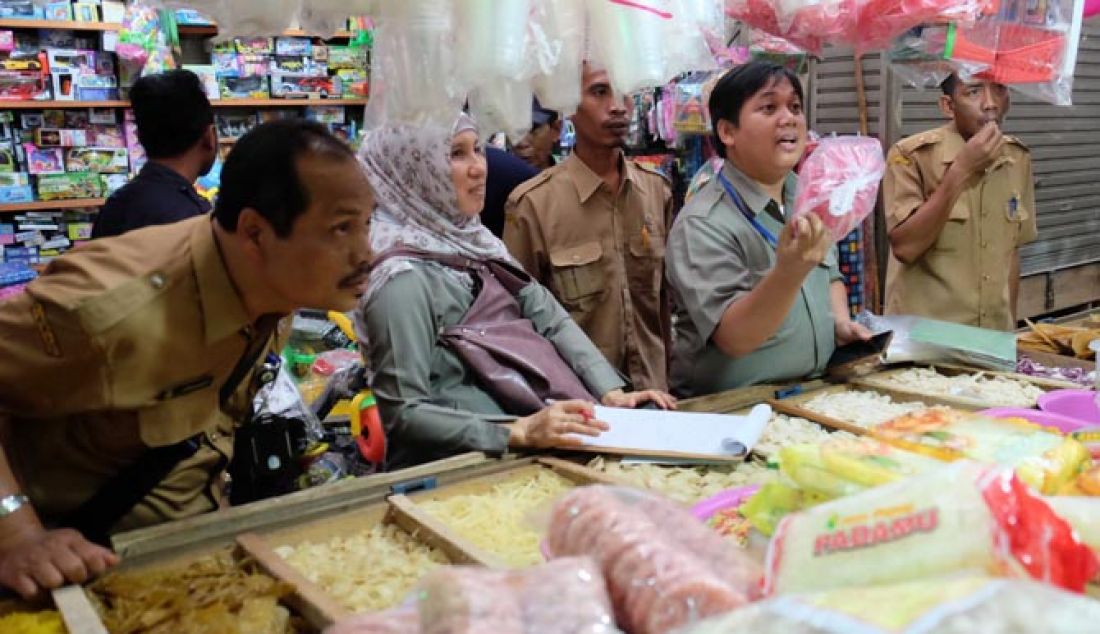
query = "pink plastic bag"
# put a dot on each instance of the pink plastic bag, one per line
(839, 182)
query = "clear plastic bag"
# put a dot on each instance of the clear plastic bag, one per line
(251, 18)
(763, 15)
(560, 37)
(880, 21)
(492, 38)
(627, 38)
(839, 183)
(944, 605)
(503, 106)
(403, 619)
(664, 568)
(414, 79)
(325, 17)
(961, 517)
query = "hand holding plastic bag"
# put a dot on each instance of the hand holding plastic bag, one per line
(839, 183)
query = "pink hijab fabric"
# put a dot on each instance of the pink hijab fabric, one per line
(409, 167)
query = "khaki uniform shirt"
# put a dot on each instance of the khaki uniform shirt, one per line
(124, 344)
(964, 276)
(601, 253)
(432, 404)
(716, 256)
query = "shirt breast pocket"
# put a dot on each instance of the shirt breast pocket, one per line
(578, 273)
(176, 419)
(956, 232)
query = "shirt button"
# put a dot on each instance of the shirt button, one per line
(213, 436)
(157, 280)
(985, 245)
(576, 258)
(985, 277)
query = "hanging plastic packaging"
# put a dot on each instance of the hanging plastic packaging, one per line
(561, 27)
(627, 38)
(492, 38)
(838, 183)
(503, 106)
(1031, 47)
(880, 21)
(414, 75)
(962, 517)
(664, 568)
(956, 604)
(686, 47)
(255, 19)
(763, 15)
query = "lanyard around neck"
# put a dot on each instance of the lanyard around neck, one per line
(739, 202)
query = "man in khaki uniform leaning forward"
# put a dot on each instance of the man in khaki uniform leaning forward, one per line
(960, 201)
(593, 231)
(129, 360)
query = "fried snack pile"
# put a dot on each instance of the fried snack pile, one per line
(1064, 340)
(215, 594)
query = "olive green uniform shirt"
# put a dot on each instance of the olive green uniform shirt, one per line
(432, 405)
(715, 256)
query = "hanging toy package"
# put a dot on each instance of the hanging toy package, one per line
(1029, 46)
(839, 182)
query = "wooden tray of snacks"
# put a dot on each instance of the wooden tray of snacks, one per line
(367, 559)
(221, 528)
(70, 611)
(222, 590)
(964, 388)
(852, 408)
(495, 517)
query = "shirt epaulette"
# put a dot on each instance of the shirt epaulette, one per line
(912, 143)
(528, 186)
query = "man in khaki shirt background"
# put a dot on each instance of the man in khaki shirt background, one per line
(592, 229)
(960, 201)
(142, 344)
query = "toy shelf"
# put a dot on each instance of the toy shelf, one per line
(203, 29)
(46, 205)
(285, 103)
(70, 25)
(60, 105)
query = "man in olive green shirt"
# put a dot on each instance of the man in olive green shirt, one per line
(757, 299)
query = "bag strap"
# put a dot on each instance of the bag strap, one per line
(512, 277)
(123, 491)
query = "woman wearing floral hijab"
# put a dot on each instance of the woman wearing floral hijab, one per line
(430, 185)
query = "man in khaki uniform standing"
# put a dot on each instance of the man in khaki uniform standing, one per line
(133, 355)
(960, 201)
(592, 230)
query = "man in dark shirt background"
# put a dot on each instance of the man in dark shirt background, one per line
(507, 170)
(175, 125)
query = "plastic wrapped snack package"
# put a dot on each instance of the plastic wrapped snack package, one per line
(664, 568)
(945, 605)
(839, 182)
(414, 77)
(843, 467)
(961, 517)
(627, 38)
(561, 26)
(403, 619)
(566, 595)
(503, 106)
(1043, 459)
(492, 35)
